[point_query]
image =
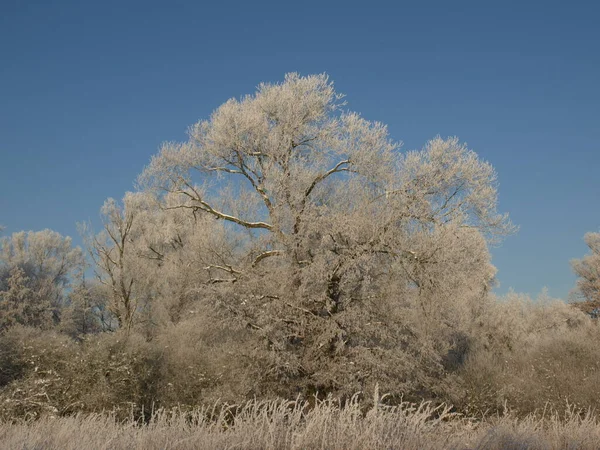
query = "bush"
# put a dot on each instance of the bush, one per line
(530, 356)
(206, 359)
(53, 374)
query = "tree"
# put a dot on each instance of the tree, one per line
(111, 253)
(150, 260)
(35, 276)
(340, 237)
(588, 271)
(20, 304)
(84, 313)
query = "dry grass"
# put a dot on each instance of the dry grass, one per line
(293, 425)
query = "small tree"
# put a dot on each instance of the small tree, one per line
(35, 275)
(587, 270)
(150, 261)
(84, 313)
(112, 255)
(19, 304)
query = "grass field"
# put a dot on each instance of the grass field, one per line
(293, 425)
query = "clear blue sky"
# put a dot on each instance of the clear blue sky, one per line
(89, 90)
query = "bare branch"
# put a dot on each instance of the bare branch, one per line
(158, 256)
(307, 311)
(267, 254)
(209, 209)
(222, 280)
(226, 268)
(256, 183)
(219, 169)
(338, 168)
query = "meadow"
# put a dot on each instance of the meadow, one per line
(297, 425)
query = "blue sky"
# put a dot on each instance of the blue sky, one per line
(89, 90)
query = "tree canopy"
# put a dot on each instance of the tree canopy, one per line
(333, 233)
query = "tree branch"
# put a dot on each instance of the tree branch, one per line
(266, 254)
(209, 209)
(159, 255)
(338, 168)
(227, 269)
(219, 169)
(222, 280)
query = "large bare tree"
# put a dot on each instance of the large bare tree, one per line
(340, 236)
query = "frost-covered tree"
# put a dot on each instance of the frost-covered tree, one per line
(36, 269)
(588, 270)
(151, 262)
(21, 304)
(85, 310)
(346, 249)
(113, 257)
